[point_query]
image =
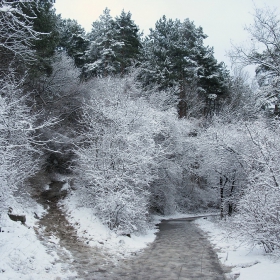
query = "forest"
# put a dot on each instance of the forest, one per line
(142, 125)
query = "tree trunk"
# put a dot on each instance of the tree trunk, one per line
(230, 205)
(222, 197)
(182, 106)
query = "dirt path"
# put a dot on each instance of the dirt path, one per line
(180, 252)
(59, 236)
(74, 253)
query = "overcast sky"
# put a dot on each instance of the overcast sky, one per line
(222, 20)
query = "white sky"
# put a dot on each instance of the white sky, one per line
(222, 20)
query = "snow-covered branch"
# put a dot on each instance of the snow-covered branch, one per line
(16, 32)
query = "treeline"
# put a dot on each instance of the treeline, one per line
(172, 56)
(144, 124)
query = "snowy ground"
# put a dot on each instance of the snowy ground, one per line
(23, 256)
(90, 229)
(247, 263)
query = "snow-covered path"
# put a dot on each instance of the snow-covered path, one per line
(59, 235)
(75, 245)
(179, 252)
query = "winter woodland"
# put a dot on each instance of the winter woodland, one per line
(142, 125)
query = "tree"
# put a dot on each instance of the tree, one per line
(61, 97)
(127, 33)
(174, 56)
(264, 53)
(16, 37)
(220, 150)
(45, 23)
(133, 156)
(73, 40)
(258, 209)
(101, 54)
(117, 154)
(114, 45)
(18, 153)
(244, 102)
(240, 159)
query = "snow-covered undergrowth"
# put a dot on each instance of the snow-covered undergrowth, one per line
(247, 262)
(136, 158)
(95, 234)
(23, 256)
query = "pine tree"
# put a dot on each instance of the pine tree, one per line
(73, 40)
(44, 22)
(128, 34)
(114, 44)
(100, 56)
(174, 56)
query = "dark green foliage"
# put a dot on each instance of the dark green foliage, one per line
(127, 33)
(114, 44)
(174, 56)
(100, 56)
(45, 22)
(73, 40)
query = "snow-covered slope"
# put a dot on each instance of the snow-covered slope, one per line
(23, 256)
(247, 263)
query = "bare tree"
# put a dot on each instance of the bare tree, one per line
(18, 155)
(264, 52)
(16, 34)
(265, 42)
(245, 101)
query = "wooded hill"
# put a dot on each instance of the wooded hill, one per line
(145, 125)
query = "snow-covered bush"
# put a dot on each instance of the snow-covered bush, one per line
(258, 216)
(132, 156)
(241, 160)
(177, 187)
(16, 139)
(124, 210)
(220, 161)
(259, 207)
(117, 158)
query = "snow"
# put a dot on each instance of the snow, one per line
(23, 256)
(7, 8)
(248, 263)
(94, 233)
(183, 215)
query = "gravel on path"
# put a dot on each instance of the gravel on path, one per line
(180, 252)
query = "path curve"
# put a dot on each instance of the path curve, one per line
(180, 252)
